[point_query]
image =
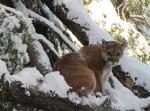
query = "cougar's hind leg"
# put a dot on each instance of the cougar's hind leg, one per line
(86, 84)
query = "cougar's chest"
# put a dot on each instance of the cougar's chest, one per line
(106, 71)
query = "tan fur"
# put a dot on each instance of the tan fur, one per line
(86, 70)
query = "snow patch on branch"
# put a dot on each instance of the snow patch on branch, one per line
(80, 16)
(20, 7)
(55, 82)
(29, 77)
(123, 99)
(42, 56)
(52, 17)
(138, 71)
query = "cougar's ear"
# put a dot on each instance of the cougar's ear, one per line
(104, 42)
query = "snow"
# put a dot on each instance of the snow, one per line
(14, 22)
(93, 100)
(120, 96)
(48, 43)
(53, 81)
(146, 14)
(3, 8)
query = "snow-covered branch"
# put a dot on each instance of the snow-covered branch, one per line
(51, 25)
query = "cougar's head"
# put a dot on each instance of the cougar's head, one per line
(112, 51)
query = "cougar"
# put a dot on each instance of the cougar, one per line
(87, 69)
